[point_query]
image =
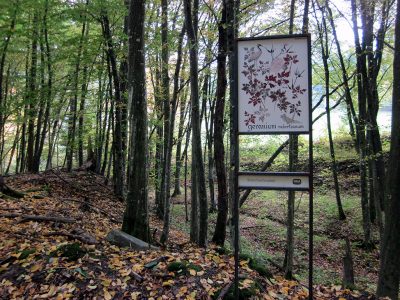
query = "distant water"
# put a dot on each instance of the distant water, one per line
(339, 120)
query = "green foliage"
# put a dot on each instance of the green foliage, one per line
(71, 251)
(222, 250)
(256, 265)
(25, 253)
(195, 267)
(177, 267)
(246, 292)
(183, 267)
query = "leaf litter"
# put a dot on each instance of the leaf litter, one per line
(58, 260)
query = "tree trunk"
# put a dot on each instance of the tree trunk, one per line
(323, 37)
(82, 102)
(373, 60)
(389, 273)
(42, 103)
(74, 100)
(178, 159)
(2, 64)
(14, 146)
(100, 124)
(171, 124)
(209, 120)
(219, 149)
(136, 219)
(348, 266)
(119, 156)
(293, 162)
(108, 117)
(232, 11)
(349, 101)
(46, 122)
(164, 93)
(30, 155)
(362, 111)
(197, 158)
(22, 157)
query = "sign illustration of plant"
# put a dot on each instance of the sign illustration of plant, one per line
(272, 77)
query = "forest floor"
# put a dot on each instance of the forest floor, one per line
(263, 222)
(68, 256)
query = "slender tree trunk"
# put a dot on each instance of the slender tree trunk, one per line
(374, 62)
(171, 124)
(164, 93)
(101, 126)
(232, 11)
(74, 100)
(349, 101)
(30, 155)
(159, 155)
(389, 273)
(362, 111)
(186, 202)
(46, 123)
(108, 115)
(22, 164)
(42, 106)
(53, 133)
(209, 122)
(194, 207)
(191, 16)
(293, 162)
(323, 37)
(119, 156)
(219, 149)
(82, 101)
(2, 136)
(2, 64)
(14, 146)
(185, 156)
(178, 159)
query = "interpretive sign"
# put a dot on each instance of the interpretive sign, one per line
(272, 95)
(273, 85)
(274, 181)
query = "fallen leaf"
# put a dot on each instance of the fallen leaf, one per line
(192, 272)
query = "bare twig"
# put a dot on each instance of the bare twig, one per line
(224, 291)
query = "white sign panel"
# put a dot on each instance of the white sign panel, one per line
(273, 91)
(274, 181)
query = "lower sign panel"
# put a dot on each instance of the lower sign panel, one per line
(278, 181)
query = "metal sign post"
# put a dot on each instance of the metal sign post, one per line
(273, 96)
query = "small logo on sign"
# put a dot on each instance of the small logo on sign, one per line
(297, 181)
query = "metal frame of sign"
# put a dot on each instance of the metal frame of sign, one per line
(237, 172)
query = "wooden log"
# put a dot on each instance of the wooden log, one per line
(6, 190)
(84, 238)
(25, 218)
